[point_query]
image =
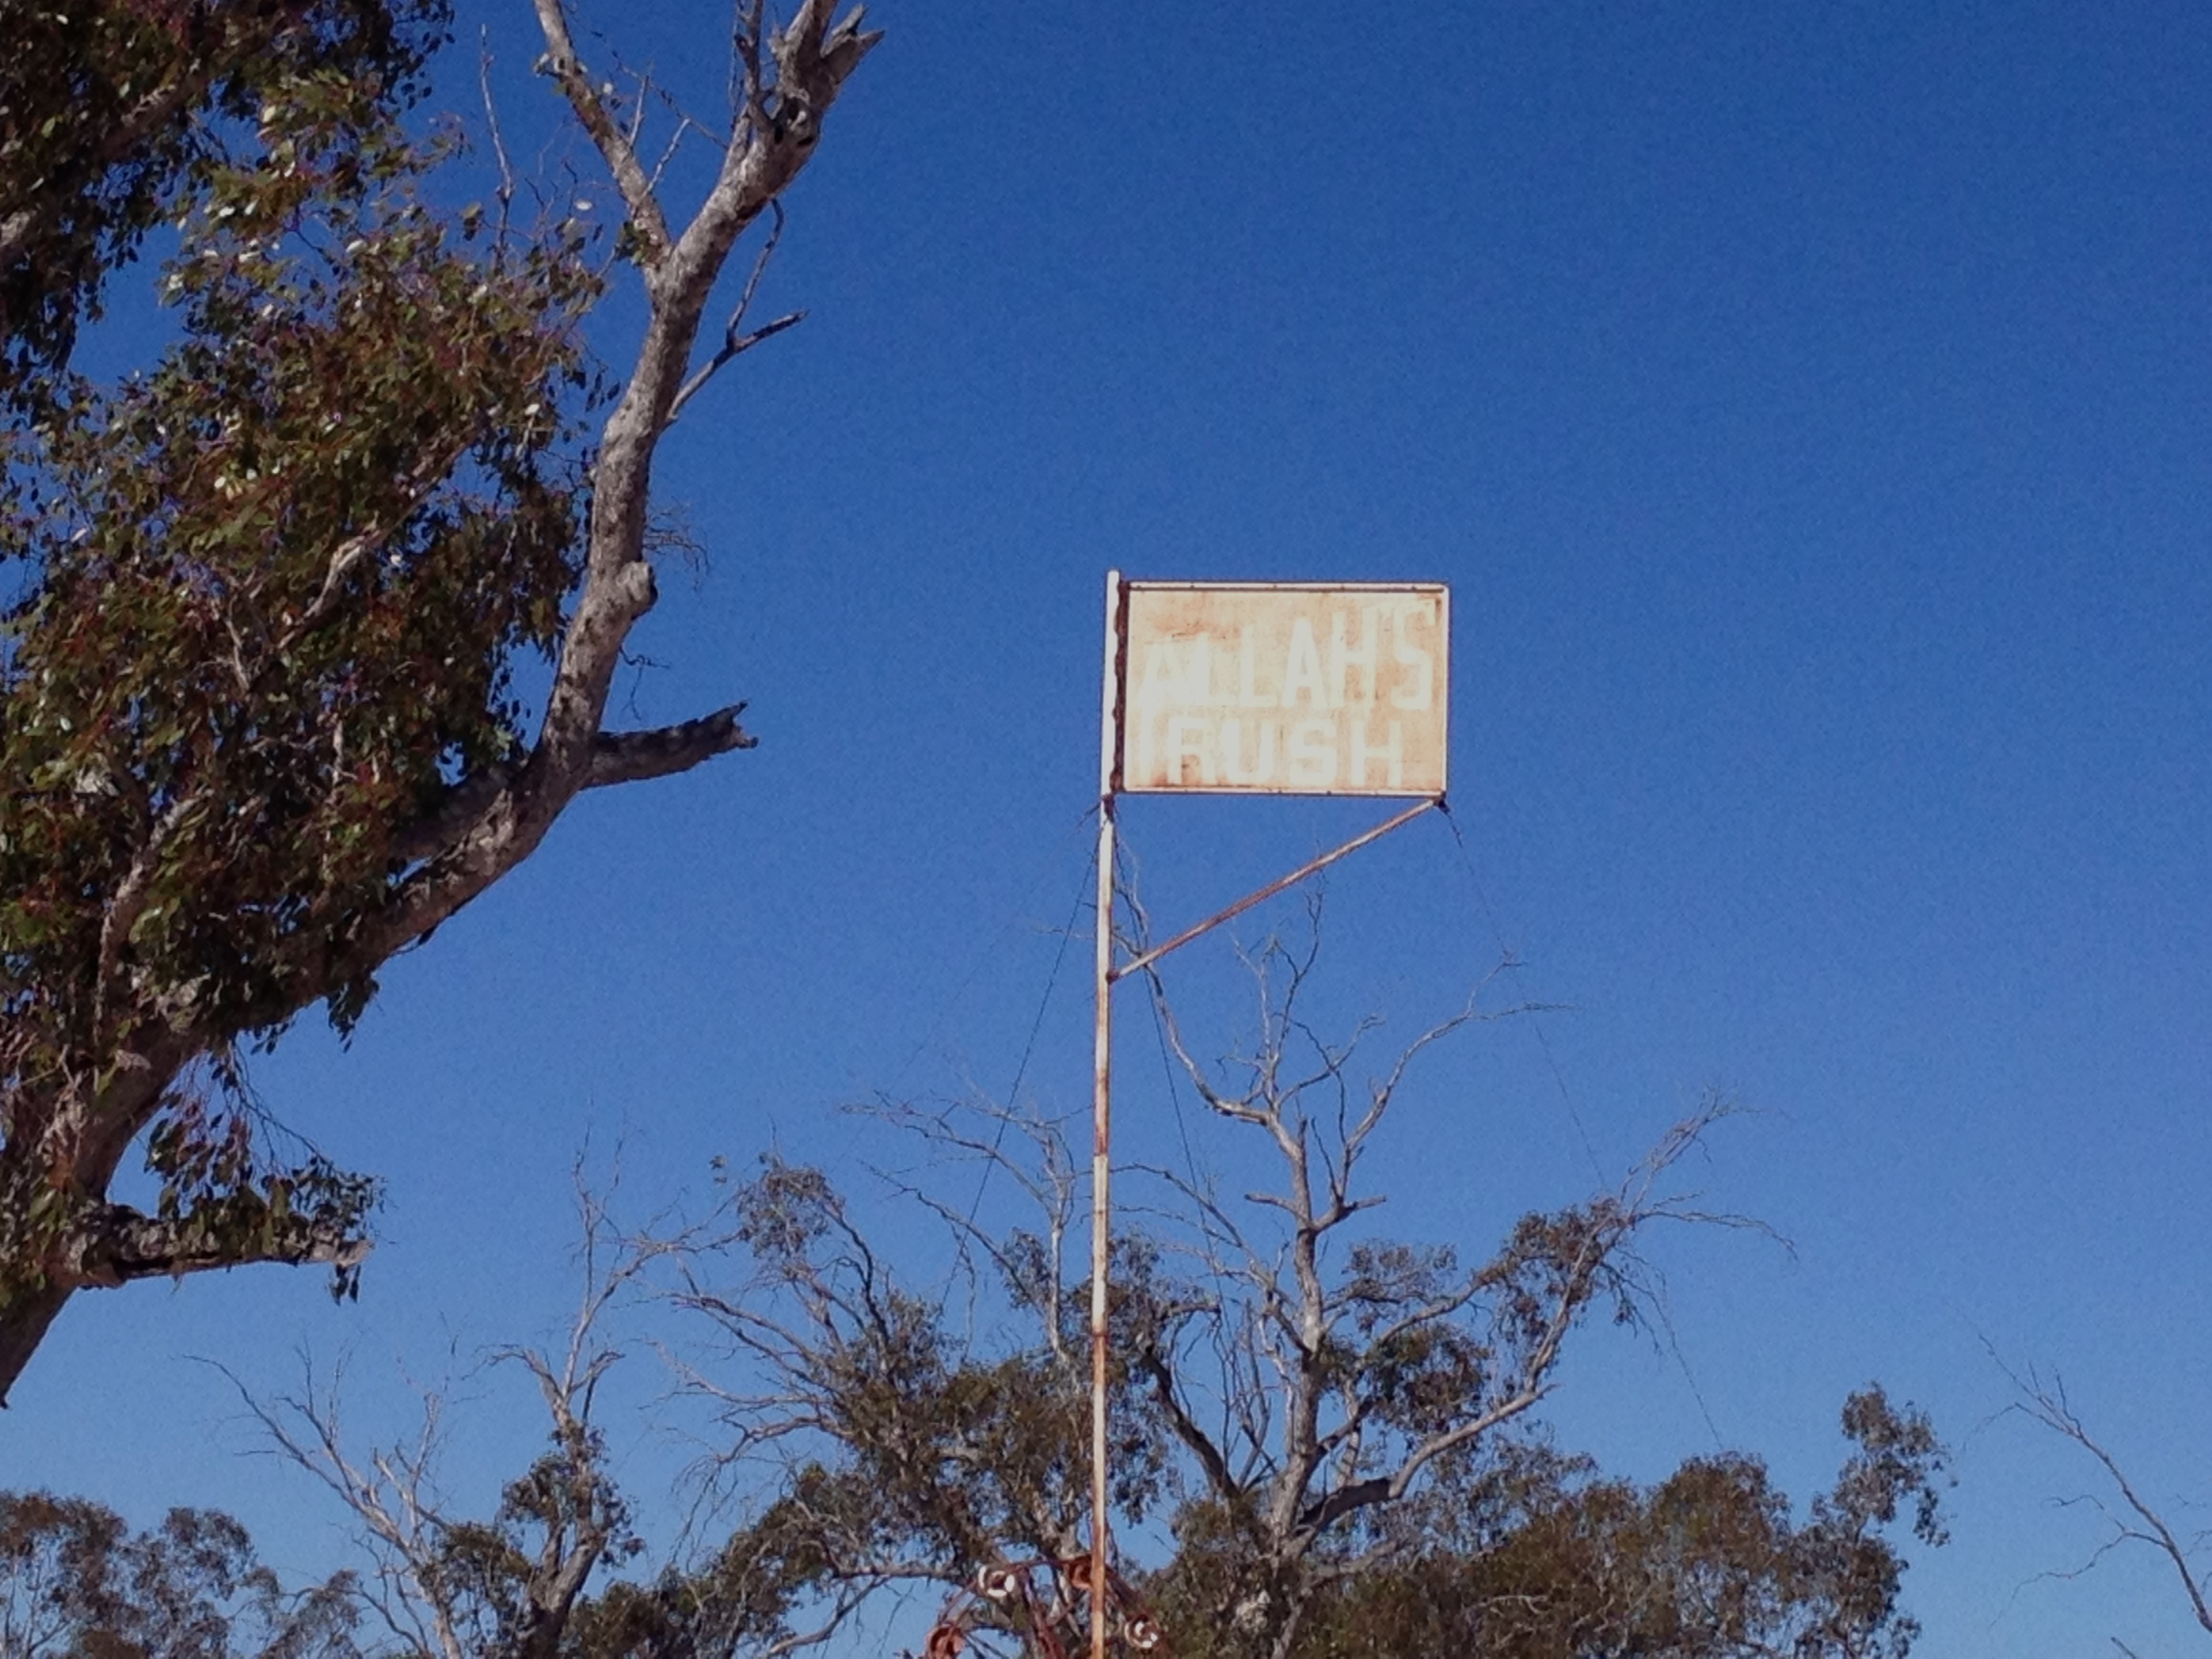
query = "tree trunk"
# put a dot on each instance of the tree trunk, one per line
(24, 1319)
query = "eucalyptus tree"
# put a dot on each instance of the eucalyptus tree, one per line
(1326, 1440)
(270, 598)
(75, 1581)
(1540, 1556)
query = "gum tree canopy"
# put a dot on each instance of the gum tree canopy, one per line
(266, 597)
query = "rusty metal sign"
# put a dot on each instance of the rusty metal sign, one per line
(1282, 689)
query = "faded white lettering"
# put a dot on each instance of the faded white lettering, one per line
(1392, 754)
(1262, 770)
(1301, 667)
(1248, 694)
(1190, 751)
(1313, 752)
(1291, 690)
(1342, 659)
(1421, 689)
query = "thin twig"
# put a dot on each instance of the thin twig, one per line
(734, 344)
(505, 194)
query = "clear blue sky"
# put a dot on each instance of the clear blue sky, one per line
(1809, 407)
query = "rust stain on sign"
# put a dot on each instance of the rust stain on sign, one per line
(1283, 689)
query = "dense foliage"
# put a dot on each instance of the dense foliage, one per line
(75, 1583)
(268, 594)
(1542, 1559)
(114, 112)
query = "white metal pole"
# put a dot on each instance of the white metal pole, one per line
(1101, 1107)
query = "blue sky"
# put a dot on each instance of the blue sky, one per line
(1808, 408)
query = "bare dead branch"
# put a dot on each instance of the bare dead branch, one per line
(504, 194)
(389, 1495)
(513, 809)
(2047, 1404)
(393, 1491)
(614, 145)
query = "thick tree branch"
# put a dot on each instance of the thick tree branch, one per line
(634, 756)
(115, 1244)
(466, 852)
(1346, 1500)
(364, 544)
(123, 910)
(812, 63)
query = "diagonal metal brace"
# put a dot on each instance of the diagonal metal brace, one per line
(1138, 963)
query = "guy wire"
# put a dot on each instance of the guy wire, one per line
(1021, 1071)
(1140, 941)
(1535, 1017)
(1536, 1024)
(1182, 1130)
(984, 952)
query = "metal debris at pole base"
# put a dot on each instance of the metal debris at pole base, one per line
(1046, 1606)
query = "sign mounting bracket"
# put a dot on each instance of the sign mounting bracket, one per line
(1137, 964)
